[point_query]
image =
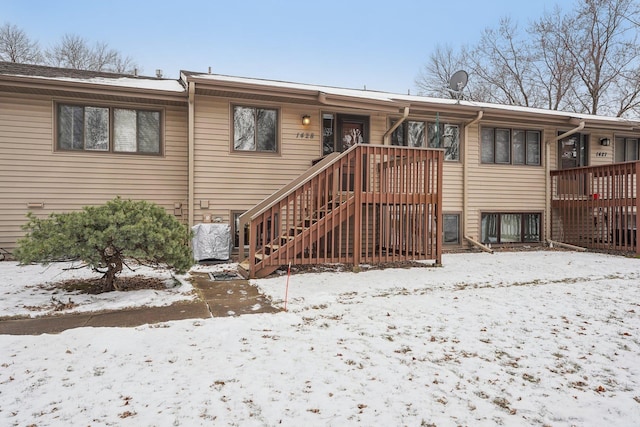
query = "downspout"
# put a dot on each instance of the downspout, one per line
(465, 172)
(547, 178)
(395, 126)
(191, 154)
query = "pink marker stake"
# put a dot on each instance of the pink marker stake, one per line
(286, 292)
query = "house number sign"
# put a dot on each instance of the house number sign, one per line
(305, 135)
(601, 154)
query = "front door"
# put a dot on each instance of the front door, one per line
(351, 133)
(572, 151)
(342, 131)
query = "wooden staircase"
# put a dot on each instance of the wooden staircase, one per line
(369, 204)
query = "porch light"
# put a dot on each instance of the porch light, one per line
(605, 142)
(306, 120)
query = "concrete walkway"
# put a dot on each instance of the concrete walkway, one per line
(216, 298)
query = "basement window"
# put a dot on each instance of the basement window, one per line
(451, 229)
(510, 227)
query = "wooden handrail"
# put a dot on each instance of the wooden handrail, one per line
(597, 206)
(347, 209)
(283, 193)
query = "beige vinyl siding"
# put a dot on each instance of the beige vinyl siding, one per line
(452, 187)
(32, 171)
(235, 181)
(501, 188)
(378, 127)
(599, 154)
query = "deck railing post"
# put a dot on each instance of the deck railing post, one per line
(637, 208)
(357, 192)
(439, 223)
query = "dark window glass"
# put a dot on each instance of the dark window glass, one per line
(626, 149)
(519, 147)
(510, 146)
(531, 227)
(70, 127)
(266, 127)
(328, 134)
(488, 147)
(397, 136)
(533, 148)
(451, 228)
(619, 150)
(631, 149)
(236, 230)
(149, 131)
(503, 146)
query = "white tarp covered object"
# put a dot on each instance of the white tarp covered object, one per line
(211, 241)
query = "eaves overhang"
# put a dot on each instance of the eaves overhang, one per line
(278, 91)
(265, 90)
(104, 89)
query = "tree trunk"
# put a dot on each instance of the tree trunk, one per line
(114, 266)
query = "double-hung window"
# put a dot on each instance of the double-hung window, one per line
(510, 146)
(255, 129)
(108, 129)
(412, 133)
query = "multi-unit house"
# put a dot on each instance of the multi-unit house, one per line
(312, 174)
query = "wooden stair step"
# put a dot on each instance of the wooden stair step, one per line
(243, 269)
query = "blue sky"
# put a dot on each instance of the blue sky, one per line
(380, 45)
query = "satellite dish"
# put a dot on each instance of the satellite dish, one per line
(457, 82)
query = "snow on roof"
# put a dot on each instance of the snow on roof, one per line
(408, 99)
(330, 90)
(44, 72)
(129, 82)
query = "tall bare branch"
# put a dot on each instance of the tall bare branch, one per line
(16, 46)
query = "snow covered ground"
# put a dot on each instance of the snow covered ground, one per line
(28, 291)
(514, 339)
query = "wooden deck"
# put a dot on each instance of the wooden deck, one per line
(596, 207)
(371, 204)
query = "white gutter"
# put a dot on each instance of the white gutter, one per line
(191, 143)
(547, 177)
(465, 198)
(395, 126)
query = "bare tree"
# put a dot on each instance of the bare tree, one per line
(124, 65)
(433, 79)
(102, 57)
(503, 61)
(586, 60)
(604, 47)
(71, 52)
(15, 46)
(74, 52)
(555, 66)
